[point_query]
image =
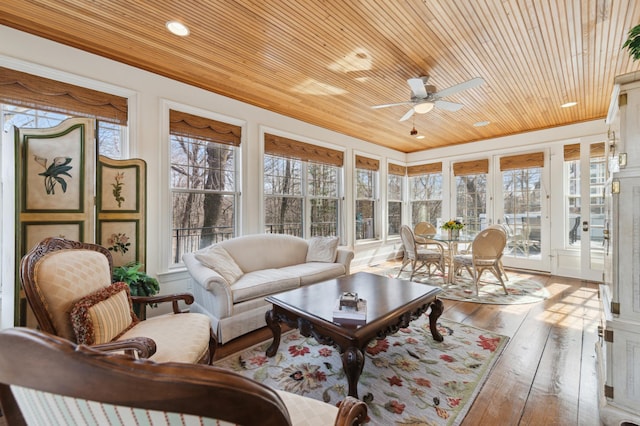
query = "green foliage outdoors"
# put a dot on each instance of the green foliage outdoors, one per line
(633, 43)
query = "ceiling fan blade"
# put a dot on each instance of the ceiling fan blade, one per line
(417, 87)
(390, 105)
(474, 82)
(449, 106)
(407, 115)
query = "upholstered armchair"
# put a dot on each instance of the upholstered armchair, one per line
(47, 378)
(68, 286)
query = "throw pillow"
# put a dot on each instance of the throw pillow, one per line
(103, 315)
(218, 259)
(322, 249)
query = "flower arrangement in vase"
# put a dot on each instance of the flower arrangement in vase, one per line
(453, 226)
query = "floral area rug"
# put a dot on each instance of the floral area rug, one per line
(408, 378)
(521, 290)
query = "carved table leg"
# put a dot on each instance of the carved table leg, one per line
(437, 307)
(353, 363)
(274, 325)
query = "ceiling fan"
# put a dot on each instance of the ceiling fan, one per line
(424, 97)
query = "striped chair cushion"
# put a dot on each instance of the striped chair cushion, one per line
(103, 315)
(42, 408)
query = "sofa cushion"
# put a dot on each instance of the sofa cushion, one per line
(314, 272)
(263, 283)
(265, 251)
(322, 249)
(218, 259)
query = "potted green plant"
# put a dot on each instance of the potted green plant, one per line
(140, 283)
(633, 43)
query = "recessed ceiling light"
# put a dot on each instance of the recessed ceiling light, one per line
(569, 104)
(481, 123)
(178, 28)
(420, 137)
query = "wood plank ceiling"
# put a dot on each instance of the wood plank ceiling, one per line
(326, 62)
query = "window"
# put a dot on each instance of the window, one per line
(395, 198)
(471, 193)
(366, 177)
(204, 182)
(283, 200)
(110, 136)
(30, 101)
(425, 193)
(323, 182)
(302, 186)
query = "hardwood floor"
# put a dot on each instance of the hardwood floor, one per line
(547, 373)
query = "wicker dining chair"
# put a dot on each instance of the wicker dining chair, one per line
(422, 231)
(486, 252)
(419, 257)
(502, 228)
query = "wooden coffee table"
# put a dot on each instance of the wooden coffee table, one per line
(391, 304)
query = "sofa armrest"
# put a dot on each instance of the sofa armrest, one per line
(345, 256)
(212, 282)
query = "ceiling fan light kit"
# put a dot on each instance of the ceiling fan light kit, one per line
(424, 96)
(424, 107)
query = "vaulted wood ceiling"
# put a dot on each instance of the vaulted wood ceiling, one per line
(326, 62)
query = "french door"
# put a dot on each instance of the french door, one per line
(581, 252)
(520, 204)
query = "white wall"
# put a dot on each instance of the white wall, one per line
(149, 97)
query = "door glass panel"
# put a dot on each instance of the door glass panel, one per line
(471, 201)
(522, 211)
(597, 177)
(572, 237)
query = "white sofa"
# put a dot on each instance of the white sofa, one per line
(268, 264)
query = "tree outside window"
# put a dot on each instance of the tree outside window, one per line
(395, 191)
(471, 200)
(426, 198)
(323, 184)
(366, 193)
(301, 197)
(283, 198)
(204, 191)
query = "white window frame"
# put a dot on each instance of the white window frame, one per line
(401, 200)
(306, 197)
(375, 198)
